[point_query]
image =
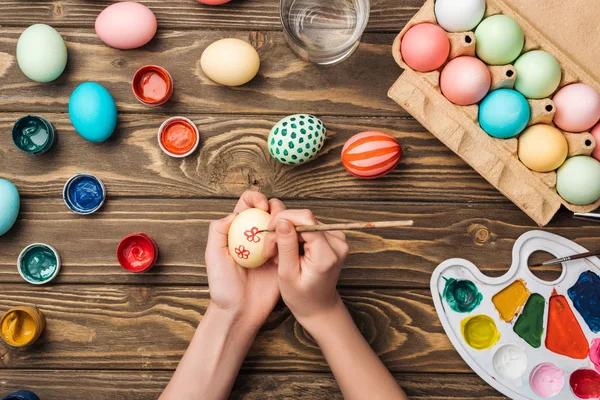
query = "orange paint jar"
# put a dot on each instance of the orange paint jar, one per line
(152, 85)
(22, 326)
(178, 137)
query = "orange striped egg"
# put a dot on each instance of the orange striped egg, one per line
(370, 155)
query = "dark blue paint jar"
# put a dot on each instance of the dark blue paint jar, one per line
(21, 395)
(84, 194)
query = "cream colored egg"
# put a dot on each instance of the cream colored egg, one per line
(542, 148)
(230, 62)
(245, 241)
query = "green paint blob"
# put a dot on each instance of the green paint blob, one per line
(530, 324)
(38, 263)
(462, 295)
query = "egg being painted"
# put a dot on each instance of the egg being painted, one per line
(244, 240)
(296, 139)
(578, 180)
(459, 15)
(230, 62)
(41, 53)
(93, 112)
(370, 155)
(9, 205)
(126, 25)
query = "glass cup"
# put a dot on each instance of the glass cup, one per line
(324, 31)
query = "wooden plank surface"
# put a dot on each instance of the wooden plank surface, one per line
(233, 157)
(284, 84)
(137, 385)
(149, 327)
(403, 257)
(386, 15)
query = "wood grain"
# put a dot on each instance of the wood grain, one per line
(137, 385)
(386, 15)
(233, 157)
(284, 85)
(378, 258)
(149, 327)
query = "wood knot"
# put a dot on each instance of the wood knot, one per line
(257, 40)
(119, 63)
(479, 233)
(58, 10)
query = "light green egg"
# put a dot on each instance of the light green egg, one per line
(41, 53)
(538, 74)
(578, 180)
(296, 139)
(498, 40)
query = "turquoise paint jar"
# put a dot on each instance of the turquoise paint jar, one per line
(38, 263)
(33, 134)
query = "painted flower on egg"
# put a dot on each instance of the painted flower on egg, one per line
(252, 235)
(242, 252)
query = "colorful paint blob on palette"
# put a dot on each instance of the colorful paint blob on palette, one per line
(564, 332)
(585, 295)
(510, 300)
(462, 295)
(585, 384)
(479, 332)
(530, 324)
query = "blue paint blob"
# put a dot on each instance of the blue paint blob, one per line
(504, 113)
(84, 194)
(585, 295)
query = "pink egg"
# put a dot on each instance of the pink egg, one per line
(213, 2)
(465, 80)
(126, 25)
(577, 107)
(425, 47)
(596, 133)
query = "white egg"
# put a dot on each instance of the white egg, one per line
(230, 62)
(459, 15)
(245, 241)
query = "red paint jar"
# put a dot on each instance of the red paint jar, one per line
(137, 252)
(152, 85)
(178, 137)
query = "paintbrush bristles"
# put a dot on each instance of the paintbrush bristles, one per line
(351, 226)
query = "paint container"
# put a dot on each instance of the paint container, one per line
(22, 326)
(21, 395)
(137, 252)
(178, 137)
(33, 134)
(152, 85)
(38, 263)
(84, 194)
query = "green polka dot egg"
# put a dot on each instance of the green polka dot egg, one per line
(296, 139)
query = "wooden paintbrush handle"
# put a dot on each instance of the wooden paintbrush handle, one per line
(353, 226)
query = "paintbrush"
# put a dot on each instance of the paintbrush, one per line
(350, 226)
(568, 258)
(591, 216)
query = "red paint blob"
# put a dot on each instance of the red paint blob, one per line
(585, 384)
(137, 252)
(178, 136)
(564, 332)
(152, 85)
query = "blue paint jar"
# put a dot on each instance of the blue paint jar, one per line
(504, 113)
(84, 194)
(21, 395)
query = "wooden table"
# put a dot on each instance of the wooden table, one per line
(116, 335)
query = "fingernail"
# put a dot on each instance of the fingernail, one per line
(284, 227)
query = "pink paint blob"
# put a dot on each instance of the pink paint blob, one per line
(595, 353)
(213, 2)
(547, 380)
(577, 107)
(596, 133)
(465, 80)
(425, 47)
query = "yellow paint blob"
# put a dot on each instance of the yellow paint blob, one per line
(479, 332)
(510, 300)
(21, 326)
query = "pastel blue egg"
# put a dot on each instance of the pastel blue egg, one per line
(9, 205)
(93, 112)
(504, 113)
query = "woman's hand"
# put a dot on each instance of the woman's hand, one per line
(248, 294)
(307, 282)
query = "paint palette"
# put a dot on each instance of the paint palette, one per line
(526, 337)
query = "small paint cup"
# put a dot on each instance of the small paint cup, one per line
(22, 326)
(152, 85)
(137, 252)
(33, 134)
(21, 395)
(84, 194)
(178, 137)
(38, 263)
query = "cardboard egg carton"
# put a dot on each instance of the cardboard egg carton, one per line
(458, 128)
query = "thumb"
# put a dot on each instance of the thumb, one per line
(218, 233)
(287, 246)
